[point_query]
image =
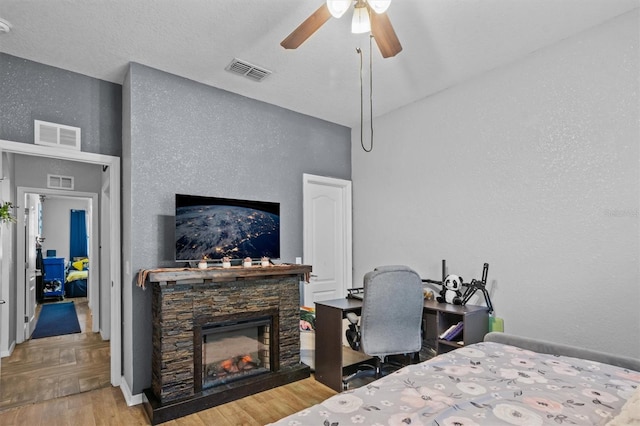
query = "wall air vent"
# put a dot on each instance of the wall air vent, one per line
(60, 182)
(52, 134)
(248, 70)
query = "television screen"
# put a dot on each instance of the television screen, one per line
(217, 227)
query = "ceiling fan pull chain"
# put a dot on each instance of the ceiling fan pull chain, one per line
(371, 88)
(359, 52)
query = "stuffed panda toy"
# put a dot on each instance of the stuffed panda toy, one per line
(450, 292)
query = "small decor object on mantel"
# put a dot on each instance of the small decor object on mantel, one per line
(264, 261)
(203, 263)
(247, 262)
(226, 262)
(5, 213)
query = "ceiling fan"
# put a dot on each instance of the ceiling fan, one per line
(368, 16)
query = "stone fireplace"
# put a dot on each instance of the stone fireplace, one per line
(222, 334)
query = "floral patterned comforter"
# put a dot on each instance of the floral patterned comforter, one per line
(482, 384)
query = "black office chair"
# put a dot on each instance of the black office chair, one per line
(390, 323)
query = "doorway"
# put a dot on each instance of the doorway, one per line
(42, 206)
(111, 175)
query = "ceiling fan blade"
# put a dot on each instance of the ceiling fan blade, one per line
(384, 34)
(307, 28)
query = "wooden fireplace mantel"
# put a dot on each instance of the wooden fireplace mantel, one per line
(219, 274)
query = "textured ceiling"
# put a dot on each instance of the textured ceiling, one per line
(444, 43)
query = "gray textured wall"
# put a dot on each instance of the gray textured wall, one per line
(183, 137)
(32, 171)
(33, 91)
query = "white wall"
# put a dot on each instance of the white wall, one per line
(56, 216)
(533, 168)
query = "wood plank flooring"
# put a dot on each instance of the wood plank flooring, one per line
(106, 406)
(64, 380)
(43, 369)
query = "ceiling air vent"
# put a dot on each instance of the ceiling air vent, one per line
(248, 70)
(52, 134)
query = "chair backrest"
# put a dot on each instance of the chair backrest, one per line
(391, 311)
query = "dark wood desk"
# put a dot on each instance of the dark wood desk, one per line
(330, 359)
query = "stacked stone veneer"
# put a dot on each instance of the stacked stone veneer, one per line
(179, 309)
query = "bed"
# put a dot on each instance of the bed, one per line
(76, 278)
(503, 380)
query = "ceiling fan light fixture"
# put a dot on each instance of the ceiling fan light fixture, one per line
(337, 8)
(360, 22)
(379, 6)
(5, 26)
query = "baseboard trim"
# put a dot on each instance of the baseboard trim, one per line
(128, 396)
(158, 412)
(7, 353)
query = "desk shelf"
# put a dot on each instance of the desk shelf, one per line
(474, 318)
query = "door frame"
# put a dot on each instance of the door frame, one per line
(104, 253)
(113, 167)
(345, 190)
(21, 192)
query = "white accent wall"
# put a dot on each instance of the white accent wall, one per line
(56, 212)
(534, 168)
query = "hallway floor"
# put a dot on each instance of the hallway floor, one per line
(43, 369)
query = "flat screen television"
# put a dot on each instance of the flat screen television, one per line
(218, 227)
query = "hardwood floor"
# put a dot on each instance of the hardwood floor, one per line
(43, 369)
(107, 406)
(64, 380)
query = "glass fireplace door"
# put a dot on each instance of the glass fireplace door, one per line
(235, 351)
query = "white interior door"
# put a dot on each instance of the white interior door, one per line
(31, 233)
(3, 305)
(326, 237)
(6, 232)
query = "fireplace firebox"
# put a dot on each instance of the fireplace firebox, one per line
(222, 334)
(235, 350)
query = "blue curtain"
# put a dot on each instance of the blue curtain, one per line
(78, 234)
